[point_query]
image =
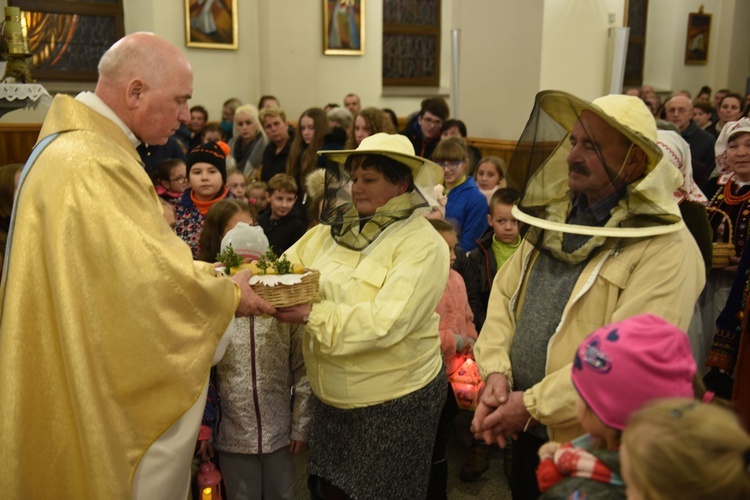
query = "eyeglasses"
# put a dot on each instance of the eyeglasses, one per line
(181, 180)
(432, 121)
(450, 165)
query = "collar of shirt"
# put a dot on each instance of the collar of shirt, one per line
(601, 209)
(95, 103)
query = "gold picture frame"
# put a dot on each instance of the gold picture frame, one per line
(344, 27)
(698, 37)
(61, 36)
(211, 24)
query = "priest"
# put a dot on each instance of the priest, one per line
(108, 329)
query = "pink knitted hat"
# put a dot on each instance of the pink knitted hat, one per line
(621, 366)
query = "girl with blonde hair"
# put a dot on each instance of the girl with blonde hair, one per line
(681, 448)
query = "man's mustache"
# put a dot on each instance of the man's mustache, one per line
(579, 168)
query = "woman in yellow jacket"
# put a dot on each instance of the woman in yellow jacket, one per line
(372, 348)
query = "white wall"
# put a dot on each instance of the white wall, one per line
(728, 52)
(509, 51)
(574, 45)
(219, 74)
(666, 35)
(501, 52)
(739, 53)
(294, 68)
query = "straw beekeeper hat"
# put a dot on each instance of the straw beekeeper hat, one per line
(394, 146)
(626, 114)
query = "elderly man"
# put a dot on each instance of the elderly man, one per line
(108, 328)
(679, 111)
(604, 241)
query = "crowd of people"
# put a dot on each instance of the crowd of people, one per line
(598, 282)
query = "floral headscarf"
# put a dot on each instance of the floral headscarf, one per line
(677, 151)
(720, 148)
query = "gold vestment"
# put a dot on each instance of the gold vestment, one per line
(107, 326)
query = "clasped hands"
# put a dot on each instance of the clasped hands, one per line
(501, 413)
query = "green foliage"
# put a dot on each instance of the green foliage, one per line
(279, 264)
(229, 258)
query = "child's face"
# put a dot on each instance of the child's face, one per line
(451, 132)
(212, 135)
(205, 181)
(258, 198)
(453, 170)
(452, 241)
(632, 490)
(239, 216)
(236, 184)
(487, 176)
(178, 180)
(281, 203)
(503, 224)
(589, 421)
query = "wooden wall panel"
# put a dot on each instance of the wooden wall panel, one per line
(493, 147)
(17, 140)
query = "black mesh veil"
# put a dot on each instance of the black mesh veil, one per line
(589, 173)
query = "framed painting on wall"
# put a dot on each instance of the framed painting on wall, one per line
(344, 27)
(211, 24)
(411, 43)
(698, 34)
(67, 39)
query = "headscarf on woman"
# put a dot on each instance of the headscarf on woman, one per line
(677, 150)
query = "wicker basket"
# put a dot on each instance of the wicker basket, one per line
(291, 295)
(722, 251)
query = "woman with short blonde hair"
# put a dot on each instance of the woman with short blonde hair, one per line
(248, 141)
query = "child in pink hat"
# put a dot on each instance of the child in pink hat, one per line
(616, 370)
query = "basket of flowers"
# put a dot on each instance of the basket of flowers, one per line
(275, 279)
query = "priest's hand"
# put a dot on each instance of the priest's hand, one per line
(250, 303)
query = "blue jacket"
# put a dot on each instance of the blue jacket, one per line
(468, 206)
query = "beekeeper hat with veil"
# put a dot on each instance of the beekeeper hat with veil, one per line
(590, 173)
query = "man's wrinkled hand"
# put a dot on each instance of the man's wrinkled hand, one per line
(494, 394)
(496, 390)
(500, 414)
(250, 303)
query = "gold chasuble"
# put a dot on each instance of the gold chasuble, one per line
(107, 326)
